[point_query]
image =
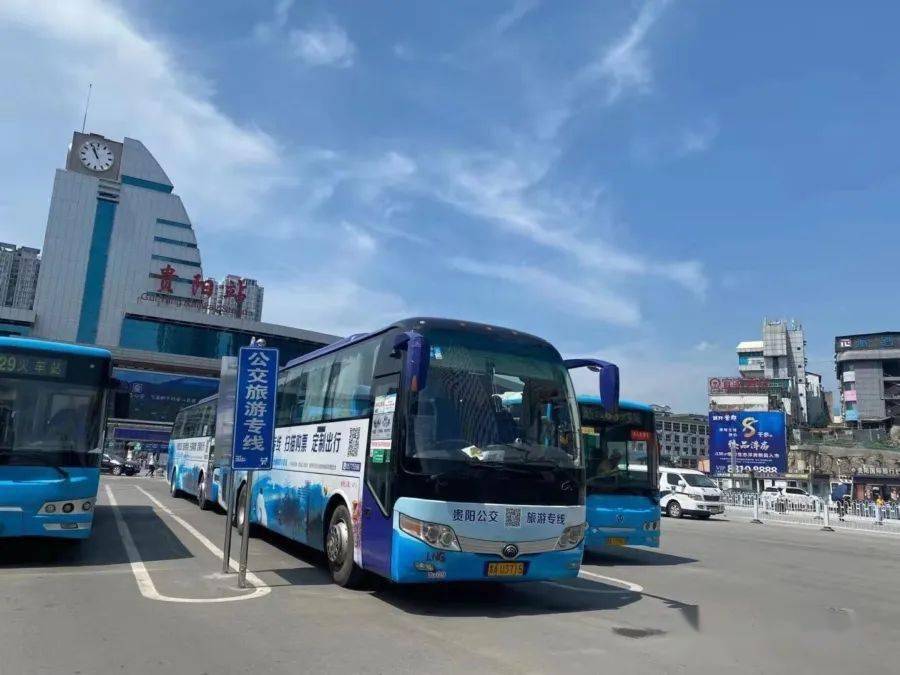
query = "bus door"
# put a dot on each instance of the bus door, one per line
(377, 515)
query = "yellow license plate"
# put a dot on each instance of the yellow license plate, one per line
(616, 541)
(505, 569)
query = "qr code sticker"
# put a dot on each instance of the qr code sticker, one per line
(353, 448)
(513, 517)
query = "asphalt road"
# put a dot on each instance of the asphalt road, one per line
(717, 597)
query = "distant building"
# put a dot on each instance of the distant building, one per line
(868, 371)
(239, 297)
(683, 437)
(19, 267)
(773, 376)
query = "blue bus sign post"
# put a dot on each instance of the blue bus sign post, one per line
(254, 426)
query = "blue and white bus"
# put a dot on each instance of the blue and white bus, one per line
(396, 454)
(622, 464)
(190, 468)
(52, 418)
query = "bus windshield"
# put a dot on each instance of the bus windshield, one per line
(492, 402)
(53, 422)
(618, 449)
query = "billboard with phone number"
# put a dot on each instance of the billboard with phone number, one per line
(756, 440)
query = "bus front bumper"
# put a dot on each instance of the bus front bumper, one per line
(15, 523)
(415, 562)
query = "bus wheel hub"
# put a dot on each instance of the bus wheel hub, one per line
(338, 537)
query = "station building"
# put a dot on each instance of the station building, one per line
(121, 268)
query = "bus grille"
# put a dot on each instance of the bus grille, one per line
(494, 547)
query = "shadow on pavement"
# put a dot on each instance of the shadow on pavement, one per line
(316, 571)
(153, 538)
(634, 556)
(493, 600)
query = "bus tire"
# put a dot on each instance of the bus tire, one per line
(239, 510)
(339, 549)
(173, 486)
(202, 501)
(674, 510)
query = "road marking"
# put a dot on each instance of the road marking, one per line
(624, 586)
(142, 576)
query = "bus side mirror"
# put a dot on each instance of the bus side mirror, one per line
(609, 380)
(415, 367)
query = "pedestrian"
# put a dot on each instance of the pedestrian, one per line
(151, 464)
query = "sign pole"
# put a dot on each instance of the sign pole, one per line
(245, 538)
(229, 519)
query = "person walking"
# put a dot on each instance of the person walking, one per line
(151, 464)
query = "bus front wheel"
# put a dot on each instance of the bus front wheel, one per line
(339, 549)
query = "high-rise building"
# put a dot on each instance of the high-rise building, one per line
(237, 296)
(773, 376)
(19, 267)
(868, 371)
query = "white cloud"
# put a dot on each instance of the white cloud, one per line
(267, 30)
(698, 138)
(652, 373)
(359, 240)
(587, 300)
(341, 307)
(142, 92)
(704, 346)
(323, 46)
(519, 9)
(402, 51)
(504, 190)
(625, 65)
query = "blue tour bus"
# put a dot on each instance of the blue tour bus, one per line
(622, 464)
(396, 455)
(52, 419)
(190, 468)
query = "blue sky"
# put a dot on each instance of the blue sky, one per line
(640, 181)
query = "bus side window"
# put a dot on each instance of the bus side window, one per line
(350, 386)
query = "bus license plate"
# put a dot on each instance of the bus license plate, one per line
(616, 541)
(505, 569)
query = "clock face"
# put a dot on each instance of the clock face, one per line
(96, 155)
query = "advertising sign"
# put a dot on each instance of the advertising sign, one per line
(738, 385)
(254, 414)
(758, 441)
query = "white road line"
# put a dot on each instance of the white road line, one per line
(624, 586)
(627, 585)
(142, 576)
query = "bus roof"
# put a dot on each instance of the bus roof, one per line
(54, 347)
(623, 403)
(411, 324)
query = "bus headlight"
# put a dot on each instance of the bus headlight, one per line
(433, 534)
(571, 537)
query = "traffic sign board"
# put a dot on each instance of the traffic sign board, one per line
(254, 414)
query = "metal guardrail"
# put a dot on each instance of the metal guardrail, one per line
(859, 515)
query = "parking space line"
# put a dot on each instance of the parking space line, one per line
(142, 576)
(627, 585)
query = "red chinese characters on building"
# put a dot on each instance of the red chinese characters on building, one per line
(166, 275)
(238, 290)
(204, 287)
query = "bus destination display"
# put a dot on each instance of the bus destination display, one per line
(35, 366)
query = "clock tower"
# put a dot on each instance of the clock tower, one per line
(94, 155)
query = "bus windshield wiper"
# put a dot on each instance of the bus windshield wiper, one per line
(38, 457)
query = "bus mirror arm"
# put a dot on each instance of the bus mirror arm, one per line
(609, 380)
(415, 370)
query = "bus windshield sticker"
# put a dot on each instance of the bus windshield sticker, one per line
(383, 417)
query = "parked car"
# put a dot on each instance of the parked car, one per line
(118, 465)
(792, 495)
(688, 492)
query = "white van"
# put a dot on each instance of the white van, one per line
(688, 492)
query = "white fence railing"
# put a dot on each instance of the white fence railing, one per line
(856, 515)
